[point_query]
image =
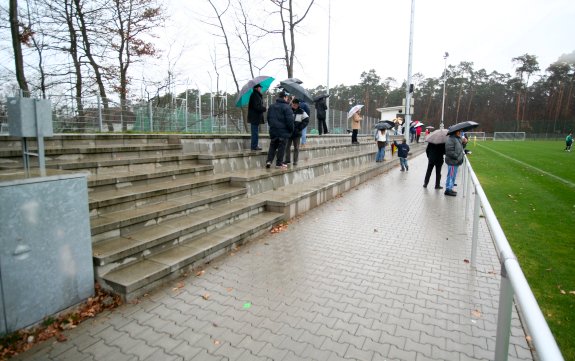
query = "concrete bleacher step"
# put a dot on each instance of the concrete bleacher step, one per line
(129, 196)
(137, 278)
(114, 224)
(98, 153)
(143, 241)
(119, 179)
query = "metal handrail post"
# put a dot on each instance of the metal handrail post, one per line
(504, 316)
(475, 232)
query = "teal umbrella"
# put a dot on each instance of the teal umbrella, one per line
(244, 96)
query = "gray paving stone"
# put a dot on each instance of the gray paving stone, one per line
(326, 288)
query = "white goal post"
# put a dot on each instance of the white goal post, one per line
(475, 135)
(509, 136)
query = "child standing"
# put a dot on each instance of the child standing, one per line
(402, 151)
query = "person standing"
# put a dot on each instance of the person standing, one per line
(381, 140)
(303, 105)
(321, 108)
(301, 120)
(435, 154)
(454, 158)
(569, 141)
(355, 126)
(280, 122)
(417, 133)
(256, 110)
(402, 152)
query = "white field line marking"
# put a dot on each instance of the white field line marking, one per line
(571, 184)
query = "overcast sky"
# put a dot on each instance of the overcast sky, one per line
(374, 34)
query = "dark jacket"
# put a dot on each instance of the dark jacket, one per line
(280, 119)
(453, 150)
(299, 126)
(321, 107)
(256, 108)
(435, 153)
(303, 105)
(402, 149)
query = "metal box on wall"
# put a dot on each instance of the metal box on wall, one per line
(45, 248)
(29, 118)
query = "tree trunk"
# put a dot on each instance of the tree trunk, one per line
(17, 46)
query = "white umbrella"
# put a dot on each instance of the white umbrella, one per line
(354, 110)
(420, 124)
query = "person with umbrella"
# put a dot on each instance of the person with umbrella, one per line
(256, 110)
(281, 125)
(435, 151)
(454, 158)
(321, 108)
(356, 118)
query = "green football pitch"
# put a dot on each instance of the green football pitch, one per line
(531, 187)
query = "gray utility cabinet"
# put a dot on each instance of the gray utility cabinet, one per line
(46, 250)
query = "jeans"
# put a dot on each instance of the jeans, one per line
(354, 136)
(277, 145)
(295, 142)
(403, 163)
(380, 152)
(451, 174)
(303, 135)
(255, 129)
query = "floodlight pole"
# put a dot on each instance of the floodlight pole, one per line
(408, 84)
(328, 58)
(444, 81)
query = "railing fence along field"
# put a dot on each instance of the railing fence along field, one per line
(513, 281)
(208, 116)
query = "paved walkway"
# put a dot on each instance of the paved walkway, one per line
(379, 273)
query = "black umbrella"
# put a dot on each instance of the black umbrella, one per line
(297, 90)
(463, 126)
(292, 80)
(320, 97)
(385, 124)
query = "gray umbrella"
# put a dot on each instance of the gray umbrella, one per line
(385, 124)
(438, 136)
(463, 126)
(297, 90)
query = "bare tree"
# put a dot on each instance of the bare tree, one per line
(289, 22)
(133, 21)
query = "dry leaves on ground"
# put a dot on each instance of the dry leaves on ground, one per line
(279, 228)
(22, 340)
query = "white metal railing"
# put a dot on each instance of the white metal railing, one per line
(513, 281)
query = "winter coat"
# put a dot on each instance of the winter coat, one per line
(356, 121)
(301, 120)
(280, 119)
(435, 153)
(453, 150)
(303, 105)
(256, 108)
(402, 149)
(321, 107)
